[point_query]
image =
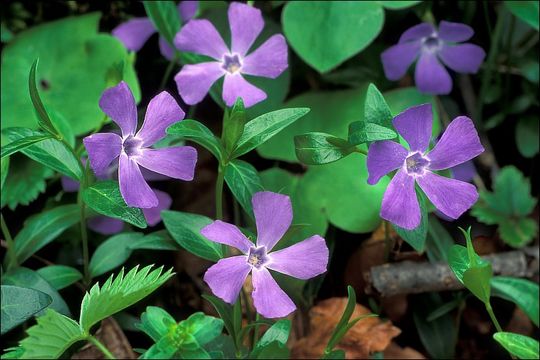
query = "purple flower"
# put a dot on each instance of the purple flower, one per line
(304, 260)
(201, 37)
(135, 32)
(458, 144)
(133, 149)
(430, 47)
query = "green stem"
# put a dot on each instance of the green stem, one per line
(101, 347)
(492, 316)
(256, 331)
(168, 71)
(12, 259)
(84, 234)
(219, 192)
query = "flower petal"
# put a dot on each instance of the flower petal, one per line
(228, 234)
(134, 33)
(165, 49)
(268, 298)
(246, 24)
(105, 225)
(269, 60)
(464, 172)
(194, 81)
(153, 215)
(187, 9)
(102, 149)
(236, 86)
(430, 76)
(463, 58)
(176, 162)
(118, 103)
(162, 111)
(417, 32)
(455, 32)
(414, 125)
(227, 276)
(69, 185)
(459, 143)
(303, 260)
(383, 157)
(400, 204)
(397, 59)
(133, 187)
(452, 197)
(273, 215)
(201, 37)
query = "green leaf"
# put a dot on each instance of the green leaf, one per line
(225, 312)
(40, 229)
(273, 350)
(518, 232)
(320, 31)
(416, 237)
(195, 131)
(522, 292)
(119, 293)
(60, 276)
(4, 168)
(43, 118)
(20, 144)
(279, 332)
(156, 322)
(112, 253)
(203, 328)
(262, 128)
(337, 334)
(165, 17)
(335, 354)
(525, 10)
(458, 260)
(398, 4)
(361, 132)
(233, 124)
(521, 346)
(318, 148)
(243, 180)
(105, 198)
(438, 242)
(185, 228)
(477, 279)
(19, 304)
(527, 136)
(376, 110)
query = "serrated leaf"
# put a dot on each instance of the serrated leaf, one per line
(19, 304)
(521, 346)
(523, 292)
(195, 131)
(20, 144)
(318, 148)
(60, 276)
(243, 180)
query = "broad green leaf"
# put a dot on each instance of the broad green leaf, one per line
(195, 131)
(203, 328)
(60, 276)
(185, 228)
(119, 293)
(522, 292)
(243, 180)
(165, 17)
(438, 242)
(159, 240)
(112, 253)
(43, 119)
(233, 124)
(20, 144)
(527, 136)
(477, 280)
(19, 304)
(458, 260)
(361, 132)
(320, 32)
(416, 237)
(525, 10)
(376, 110)
(40, 229)
(278, 332)
(105, 198)
(318, 148)
(521, 346)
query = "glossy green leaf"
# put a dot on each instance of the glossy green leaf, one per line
(233, 124)
(165, 17)
(522, 292)
(521, 346)
(105, 198)
(43, 119)
(20, 144)
(4, 168)
(60, 276)
(112, 253)
(317, 148)
(278, 332)
(155, 322)
(19, 304)
(203, 328)
(243, 180)
(416, 237)
(527, 133)
(376, 110)
(525, 10)
(361, 132)
(195, 131)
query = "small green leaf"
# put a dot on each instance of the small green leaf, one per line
(477, 279)
(376, 110)
(105, 198)
(416, 237)
(318, 148)
(521, 346)
(165, 17)
(279, 332)
(60, 276)
(203, 328)
(195, 131)
(233, 124)
(20, 144)
(155, 322)
(243, 180)
(524, 293)
(112, 253)
(527, 130)
(4, 168)
(44, 121)
(361, 132)
(524, 10)
(19, 304)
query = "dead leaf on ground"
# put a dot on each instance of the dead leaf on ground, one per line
(111, 335)
(394, 351)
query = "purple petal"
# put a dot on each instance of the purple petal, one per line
(176, 162)
(246, 24)
(414, 125)
(397, 59)
(227, 276)
(153, 215)
(464, 172)
(303, 260)
(383, 157)
(69, 185)
(269, 60)
(452, 197)
(105, 225)
(400, 205)
(162, 111)
(463, 58)
(273, 216)
(268, 298)
(102, 149)
(201, 37)
(459, 143)
(133, 187)
(228, 234)
(430, 76)
(152, 175)
(417, 32)
(165, 49)
(118, 103)
(134, 33)
(194, 81)
(187, 9)
(455, 32)
(236, 86)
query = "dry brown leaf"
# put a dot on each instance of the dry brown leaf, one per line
(394, 351)
(111, 335)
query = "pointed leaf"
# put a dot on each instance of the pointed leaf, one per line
(20, 144)
(195, 131)
(243, 180)
(361, 132)
(318, 148)
(521, 346)
(233, 124)
(44, 121)
(19, 304)
(523, 292)
(60, 276)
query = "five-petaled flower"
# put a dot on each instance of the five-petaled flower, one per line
(458, 144)
(135, 32)
(133, 149)
(201, 37)
(429, 46)
(304, 260)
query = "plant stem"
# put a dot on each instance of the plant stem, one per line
(82, 226)
(101, 347)
(219, 192)
(256, 331)
(12, 259)
(168, 71)
(492, 316)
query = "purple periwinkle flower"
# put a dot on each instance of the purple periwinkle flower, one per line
(432, 46)
(304, 260)
(135, 32)
(458, 144)
(133, 148)
(201, 37)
